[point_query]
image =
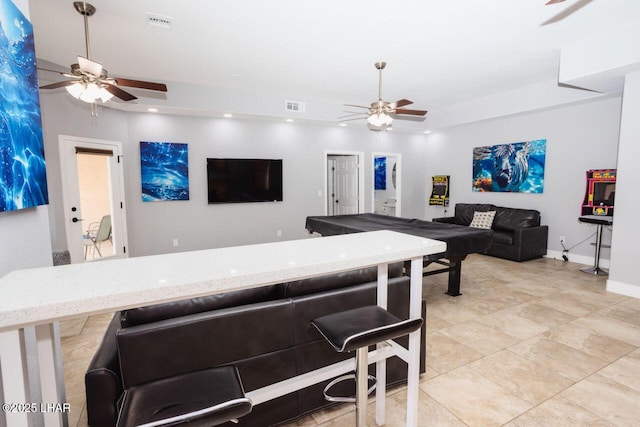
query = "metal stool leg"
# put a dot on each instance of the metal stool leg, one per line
(362, 374)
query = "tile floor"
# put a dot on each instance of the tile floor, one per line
(527, 344)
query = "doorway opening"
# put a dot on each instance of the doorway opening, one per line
(344, 183)
(387, 184)
(93, 198)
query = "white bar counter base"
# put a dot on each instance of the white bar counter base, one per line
(41, 296)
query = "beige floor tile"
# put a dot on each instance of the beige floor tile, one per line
(510, 323)
(72, 327)
(625, 371)
(524, 378)
(558, 357)
(445, 354)
(430, 413)
(574, 303)
(606, 398)
(474, 399)
(626, 311)
(453, 310)
(559, 412)
(614, 328)
(482, 338)
(589, 341)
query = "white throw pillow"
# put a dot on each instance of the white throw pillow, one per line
(482, 219)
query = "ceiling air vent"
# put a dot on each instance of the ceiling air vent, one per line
(294, 106)
(161, 21)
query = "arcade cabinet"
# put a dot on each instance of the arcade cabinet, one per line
(597, 208)
(440, 192)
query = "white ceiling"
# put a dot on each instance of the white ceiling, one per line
(439, 52)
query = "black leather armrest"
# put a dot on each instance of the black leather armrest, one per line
(103, 384)
(531, 242)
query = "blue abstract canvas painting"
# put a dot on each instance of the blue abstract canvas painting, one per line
(164, 167)
(23, 180)
(380, 173)
(517, 167)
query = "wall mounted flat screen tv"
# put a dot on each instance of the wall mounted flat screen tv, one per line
(244, 180)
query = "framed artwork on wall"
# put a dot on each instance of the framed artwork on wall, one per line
(514, 168)
(164, 170)
(380, 173)
(23, 180)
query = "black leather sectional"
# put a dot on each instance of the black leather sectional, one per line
(517, 233)
(265, 332)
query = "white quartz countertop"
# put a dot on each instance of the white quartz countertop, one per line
(42, 295)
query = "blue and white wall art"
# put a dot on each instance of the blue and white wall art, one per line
(23, 179)
(515, 168)
(164, 167)
(380, 173)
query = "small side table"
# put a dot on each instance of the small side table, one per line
(599, 221)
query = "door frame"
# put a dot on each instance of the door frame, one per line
(398, 158)
(71, 195)
(361, 170)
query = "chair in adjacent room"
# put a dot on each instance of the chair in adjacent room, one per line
(97, 233)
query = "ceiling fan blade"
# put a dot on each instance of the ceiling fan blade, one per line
(353, 114)
(400, 103)
(116, 91)
(355, 118)
(59, 84)
(89, 66)
(411, 112)
(357, 106)
(140, 84)
(553, 2)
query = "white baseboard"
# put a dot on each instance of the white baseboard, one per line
(578, 259)
(623, 289)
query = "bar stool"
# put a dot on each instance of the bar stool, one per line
(357, 329)
(203, 398)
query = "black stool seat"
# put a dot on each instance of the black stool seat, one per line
(363, 326)
(357, 329)
(202, 399)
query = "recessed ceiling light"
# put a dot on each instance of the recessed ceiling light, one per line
(152, 110)
(228, 115)
(342, 124)
(427, 132)
(289, 120)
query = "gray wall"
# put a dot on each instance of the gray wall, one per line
(302, 146)
(579, 138)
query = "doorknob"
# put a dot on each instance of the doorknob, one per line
(74, 219)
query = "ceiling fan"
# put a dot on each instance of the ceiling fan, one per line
(381, 113)
(90, 82)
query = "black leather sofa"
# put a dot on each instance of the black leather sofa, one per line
(517, 233)
(265, 332)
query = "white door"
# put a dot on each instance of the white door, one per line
(83, 211)
(347, 197)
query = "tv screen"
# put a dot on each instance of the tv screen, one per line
(244, 180)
